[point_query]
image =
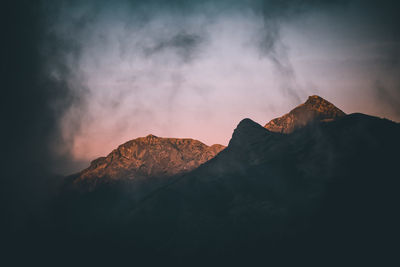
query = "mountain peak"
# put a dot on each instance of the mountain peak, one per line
(245, 123)
(313, 98)
(247, 131)
(149, 156)
(322, 105)
(314, 109)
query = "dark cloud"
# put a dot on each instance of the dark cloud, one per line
(30, 106)
(183, 44)
(389, 96)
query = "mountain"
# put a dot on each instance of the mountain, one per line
(323, 194)
(325, 188)
(149, 156)
(153, 156)
(313, 110)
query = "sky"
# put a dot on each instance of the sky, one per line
(86, 76)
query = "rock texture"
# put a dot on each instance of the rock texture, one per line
(313, 110)
(150, 156)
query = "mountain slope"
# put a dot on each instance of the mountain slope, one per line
(314, 109)
(266, 190)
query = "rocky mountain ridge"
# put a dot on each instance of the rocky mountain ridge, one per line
(315, 191)
(153, 156)
(149, 156)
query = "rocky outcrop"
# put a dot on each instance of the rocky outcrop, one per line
(149, 156)
(313, 110)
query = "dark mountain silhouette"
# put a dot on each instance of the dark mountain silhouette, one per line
(313, 110)
(325, 194)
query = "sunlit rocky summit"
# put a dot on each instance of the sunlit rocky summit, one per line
(315, 109)
(149, 156)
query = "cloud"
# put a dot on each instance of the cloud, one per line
(183, 44)
(188, 68)
(388, 96)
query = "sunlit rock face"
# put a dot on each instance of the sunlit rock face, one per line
(313, 110)
(150, 156)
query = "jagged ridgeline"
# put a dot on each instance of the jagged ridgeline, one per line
(315, 180)
(153, 156)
